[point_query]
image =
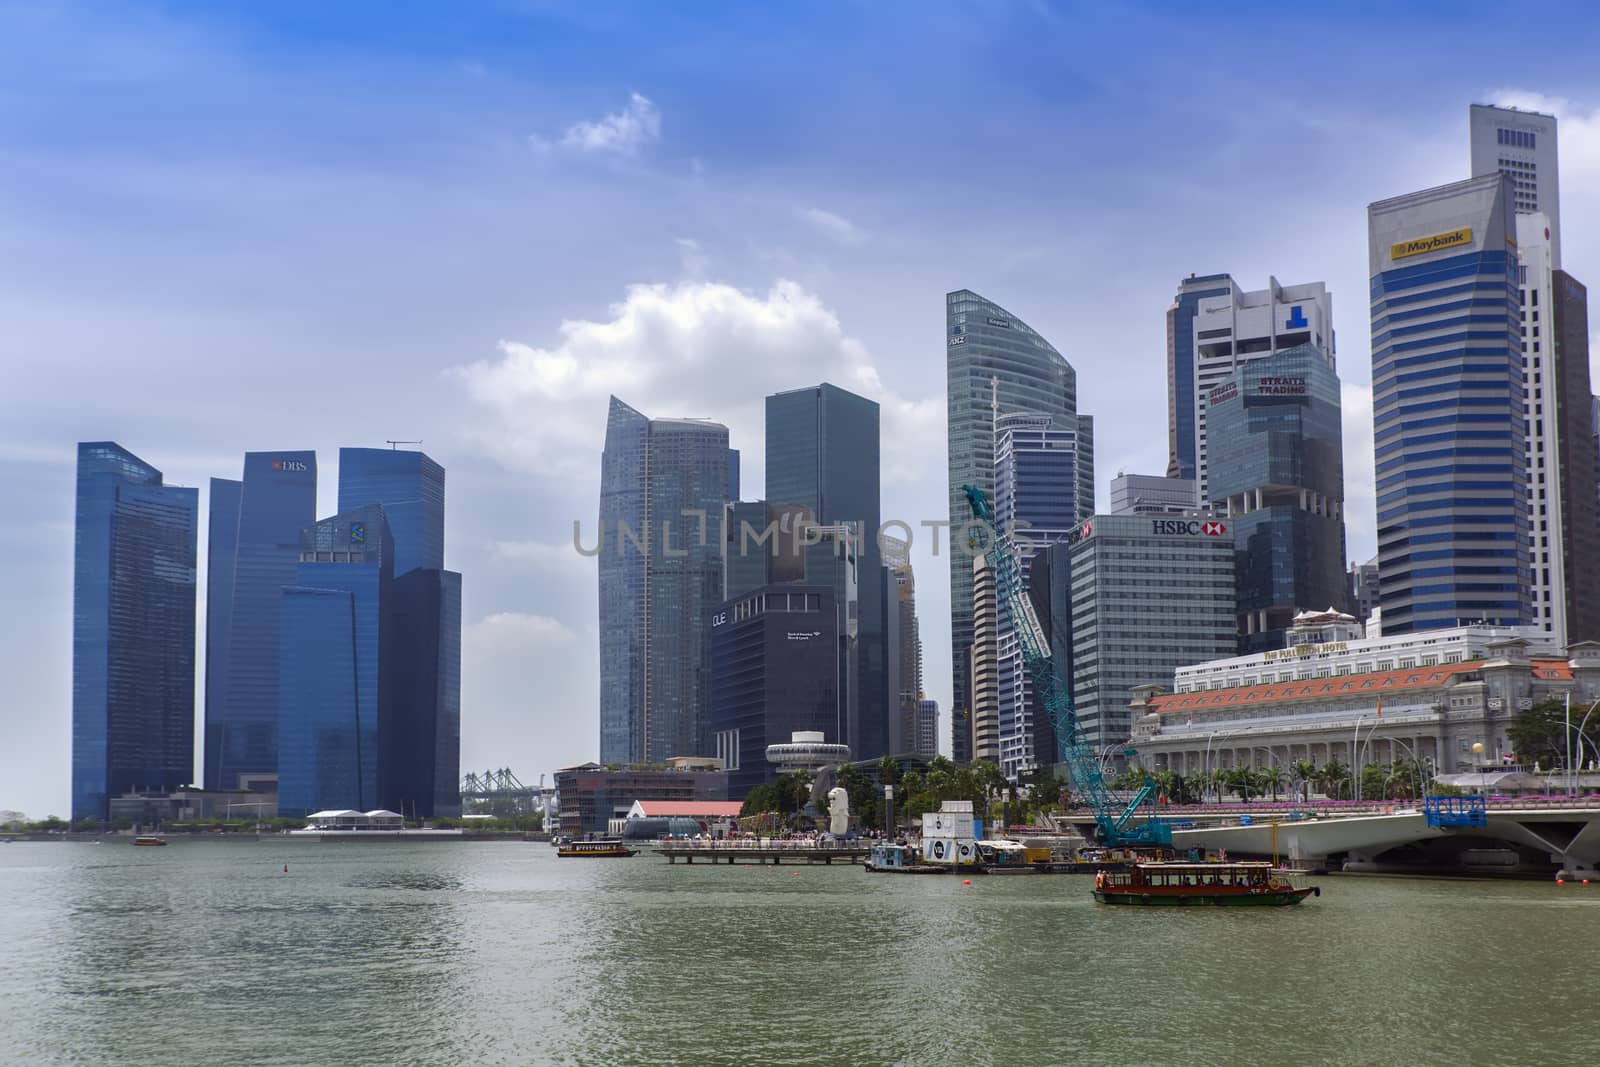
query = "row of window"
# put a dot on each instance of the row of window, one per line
(1514, 138)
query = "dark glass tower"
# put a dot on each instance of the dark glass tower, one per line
(1449, 432)
(1276, 458)
(420, 733)
(222, 542)
(277, 499)
(1181, 459)
(329, 663)
(133, 630)
(822, 453)
(993, 357)
(660, 576)
(410, 486)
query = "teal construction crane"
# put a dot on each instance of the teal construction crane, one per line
(1119, 821)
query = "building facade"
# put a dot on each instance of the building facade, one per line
(1576, 456)
(984, 668)
(907, 646)
(1149, 595)
(591, 795)
(410, 486)
(330, 691)
(1182, 402)
(1277, 476)
(1239, 327)
(774, 672)
(1449, 717)
(660, 576)
(252, 558)
(823, 454)
(1153, 494)
(926, 746)
(1522, 146)
(133, 630)
(993, 360)
(1448, 427)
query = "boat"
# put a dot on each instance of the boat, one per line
(1216, 884)
(605, 847)
(149, 839)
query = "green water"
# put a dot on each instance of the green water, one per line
(489, 953)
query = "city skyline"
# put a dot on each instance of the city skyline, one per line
(771, 274)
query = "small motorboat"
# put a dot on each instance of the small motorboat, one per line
(149, 839)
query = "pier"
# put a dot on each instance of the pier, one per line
(775, 852)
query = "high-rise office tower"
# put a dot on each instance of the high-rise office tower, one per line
(927, 743)
(907, 655)
(1152, 494)
(1277, 476)
(419, 747)
(993, 358)
(253, 554)
(133, 629)
(660, 577)
(822, 453)
(1541, 404)
(1050, 590)
(1361, 590)
(984, 653)
(410, 486)
(1036, 504)
(1447, 399)
(1522, 146)
(1577, 467)
(330, 664)
(1229, 327)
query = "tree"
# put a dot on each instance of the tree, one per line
(762, 798)
(1272, 780)
(1332, 777)
(1540, 734)
(1305, 774)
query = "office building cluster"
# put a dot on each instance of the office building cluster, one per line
(1485, 438)
(332, 647)
(728, 625)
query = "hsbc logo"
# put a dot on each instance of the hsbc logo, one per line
(1191, 527)
(288, 465)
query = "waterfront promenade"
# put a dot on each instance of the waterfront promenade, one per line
(771, 850)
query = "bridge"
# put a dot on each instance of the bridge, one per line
(1566, 831)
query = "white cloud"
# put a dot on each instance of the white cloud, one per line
(518, 628)
(623, 132)
(545, 556)
(694, 349)
(1578, 129)
(692, 256)
(835, 227)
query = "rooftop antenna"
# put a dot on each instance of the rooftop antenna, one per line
(394, 445)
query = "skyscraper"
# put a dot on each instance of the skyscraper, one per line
(1152, 494)
(822, 453)
(984, 652)
(330, 664)
(410, 486)
(1182, 461)
(907, 652)
(1543, 391)
(1234, 327)
(133, 629)
(992, 357)
(254, 557)
(1036, 504)
(1522, 146)
(1580, 501)
(1448, 425)
(1277, 476)
(660, 577)
(419, 756)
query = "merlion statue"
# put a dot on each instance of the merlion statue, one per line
(838, 811)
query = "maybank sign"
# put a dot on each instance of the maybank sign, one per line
(1435, 243)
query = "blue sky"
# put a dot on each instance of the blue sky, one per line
(252, 226)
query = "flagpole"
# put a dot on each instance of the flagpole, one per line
(1568, 739)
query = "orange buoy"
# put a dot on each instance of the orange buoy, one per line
(1561, 881)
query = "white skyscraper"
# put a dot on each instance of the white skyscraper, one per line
(1522, 146)
(1535, 244)
(1238, 326)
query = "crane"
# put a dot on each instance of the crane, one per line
(1119, 822)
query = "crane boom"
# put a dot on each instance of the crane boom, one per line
(1131, 821)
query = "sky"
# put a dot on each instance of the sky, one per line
(234, 227)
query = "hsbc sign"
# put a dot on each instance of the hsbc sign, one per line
(1191, 527)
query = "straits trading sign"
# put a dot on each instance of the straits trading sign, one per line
(1280, 386)
(1437, 242)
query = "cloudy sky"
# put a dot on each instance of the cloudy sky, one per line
(229, 227)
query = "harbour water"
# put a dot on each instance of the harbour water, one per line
(489, 953)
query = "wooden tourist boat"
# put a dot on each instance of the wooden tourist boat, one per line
(1216, 884)
(609, 847)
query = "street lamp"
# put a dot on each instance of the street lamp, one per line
(1205, 765)
(1477, 750)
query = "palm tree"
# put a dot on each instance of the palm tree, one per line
(1272, 779)
(1333, 777)
(1305, 773)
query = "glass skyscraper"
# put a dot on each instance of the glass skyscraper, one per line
(1447, 396)
(660, 576)
(992, 356)
(133, 629)
(420, 732)
(1183, 459)
(410, 486)
(252, 558)
(329, 663)
(1277, 479)
(822, 453)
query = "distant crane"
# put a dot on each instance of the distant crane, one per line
(395, 445)
(1117, 820)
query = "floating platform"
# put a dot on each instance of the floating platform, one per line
(776, 855)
